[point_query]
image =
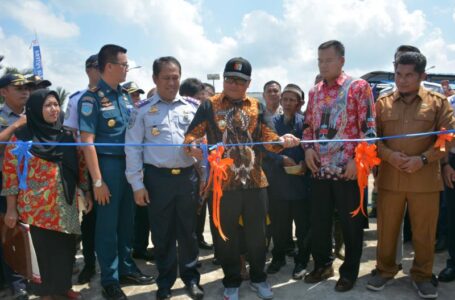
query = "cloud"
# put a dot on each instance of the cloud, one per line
(65, 69)
(279, 46)
(172, 27)
(15, 50)
(370, 31)
(36, 16)
(438, 52)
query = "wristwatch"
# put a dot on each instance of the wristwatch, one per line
(98, 183)
(424, 159)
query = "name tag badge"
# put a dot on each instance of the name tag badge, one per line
(107, 108)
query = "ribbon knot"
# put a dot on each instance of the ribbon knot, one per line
(218, 174)
(22, 152)
(365, 159)
(442, 139)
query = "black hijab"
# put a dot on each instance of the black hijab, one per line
(39, 131)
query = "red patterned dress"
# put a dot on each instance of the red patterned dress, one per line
(43, 203)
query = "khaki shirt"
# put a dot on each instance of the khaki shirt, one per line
(430, 111)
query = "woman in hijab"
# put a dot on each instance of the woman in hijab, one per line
(41, 192)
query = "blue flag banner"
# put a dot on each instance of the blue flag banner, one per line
(37, 64)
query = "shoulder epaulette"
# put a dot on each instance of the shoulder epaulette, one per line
(387, 94)
(191, 100)
(142, 103)
(436, 94)
(74, 94)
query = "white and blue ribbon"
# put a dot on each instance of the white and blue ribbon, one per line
(22, 149)
(22, 152)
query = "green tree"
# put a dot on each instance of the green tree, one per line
(62, 94)
(13, 70)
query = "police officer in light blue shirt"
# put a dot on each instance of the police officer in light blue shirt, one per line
(104, 113)
(164, 179)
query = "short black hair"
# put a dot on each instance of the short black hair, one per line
(270, 83)
(159, 62)
(337, 45)
(108, 54)
(406, 48)
(209, 86)
(413, 58)
(190, 87)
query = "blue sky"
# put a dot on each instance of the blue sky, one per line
(279, 38)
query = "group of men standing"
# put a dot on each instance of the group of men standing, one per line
(163, 178)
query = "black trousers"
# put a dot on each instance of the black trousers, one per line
(252, 205)
(280, 212)
(141, 229)
(172, 217)
(450, 197)
(200, 225)
(88, 237)
(202, 214)
(55, 253)
(344, 196)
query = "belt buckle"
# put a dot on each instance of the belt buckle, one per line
(175, 171)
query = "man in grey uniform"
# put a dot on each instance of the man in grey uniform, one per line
(155, 173)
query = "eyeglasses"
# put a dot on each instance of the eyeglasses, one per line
(237, 81)
(125, 65)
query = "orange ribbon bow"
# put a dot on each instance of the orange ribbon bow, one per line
(442, 139)
(218, 167)
(365, 159)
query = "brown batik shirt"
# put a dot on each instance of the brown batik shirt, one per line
(236, 122)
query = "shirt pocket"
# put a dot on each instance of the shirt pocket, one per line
(426, 114)
(390, 122)
(424, 120)
(111, 119)
(155, 128)
(110, 114)
(389, 116)
(184, 120)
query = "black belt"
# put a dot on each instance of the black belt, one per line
(173, 171)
